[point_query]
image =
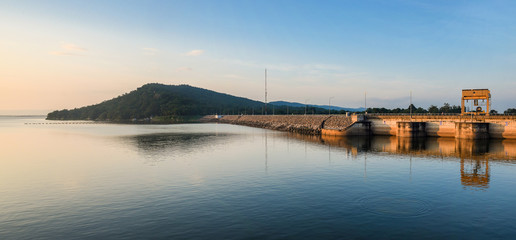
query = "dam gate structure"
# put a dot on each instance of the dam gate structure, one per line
(475, 95)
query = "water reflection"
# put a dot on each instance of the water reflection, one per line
(474, 173)
(160, 146)
(431, 147)
(233, 182)
(474, 155)
(153, 142)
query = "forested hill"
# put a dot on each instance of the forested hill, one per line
(159, 100)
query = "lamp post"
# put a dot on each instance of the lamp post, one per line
(410, 105)
(306, 103)
(329, 105)
(365, 102)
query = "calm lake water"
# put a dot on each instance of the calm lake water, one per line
(217, 181)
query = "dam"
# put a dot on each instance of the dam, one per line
(401, 125)
(474, 122)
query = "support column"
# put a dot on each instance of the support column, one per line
(471, 130)
(411, 129)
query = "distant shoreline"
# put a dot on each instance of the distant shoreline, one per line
(155, 120)
(22, 115)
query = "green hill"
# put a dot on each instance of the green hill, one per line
(161, 102)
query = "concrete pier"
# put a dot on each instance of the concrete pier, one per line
(471, 130)
(411, 129)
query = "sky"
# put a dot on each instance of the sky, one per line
(67, 54)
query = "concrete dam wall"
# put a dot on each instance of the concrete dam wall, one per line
(468, 127)
(471, 127)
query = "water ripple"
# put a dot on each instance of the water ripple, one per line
(395, 206)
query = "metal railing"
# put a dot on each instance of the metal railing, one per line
(437, 114)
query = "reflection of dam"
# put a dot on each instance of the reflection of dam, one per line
(431, 147)
(474, 155)
(474, 173)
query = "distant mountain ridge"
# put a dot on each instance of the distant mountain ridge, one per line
(333, 108)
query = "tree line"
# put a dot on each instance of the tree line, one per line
(445, 108)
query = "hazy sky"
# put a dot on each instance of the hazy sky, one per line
(66, 54)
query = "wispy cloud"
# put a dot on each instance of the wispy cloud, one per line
(150, 51)
(64, 53)
(73, 47)
(184, 69)
(194, 53)
(69, 49)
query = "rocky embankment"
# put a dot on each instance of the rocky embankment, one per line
(338, 122)
(306, 124)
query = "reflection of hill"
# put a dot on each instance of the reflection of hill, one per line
(176, 144)
(153, 142)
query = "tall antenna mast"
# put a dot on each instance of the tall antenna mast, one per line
(266, 91)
